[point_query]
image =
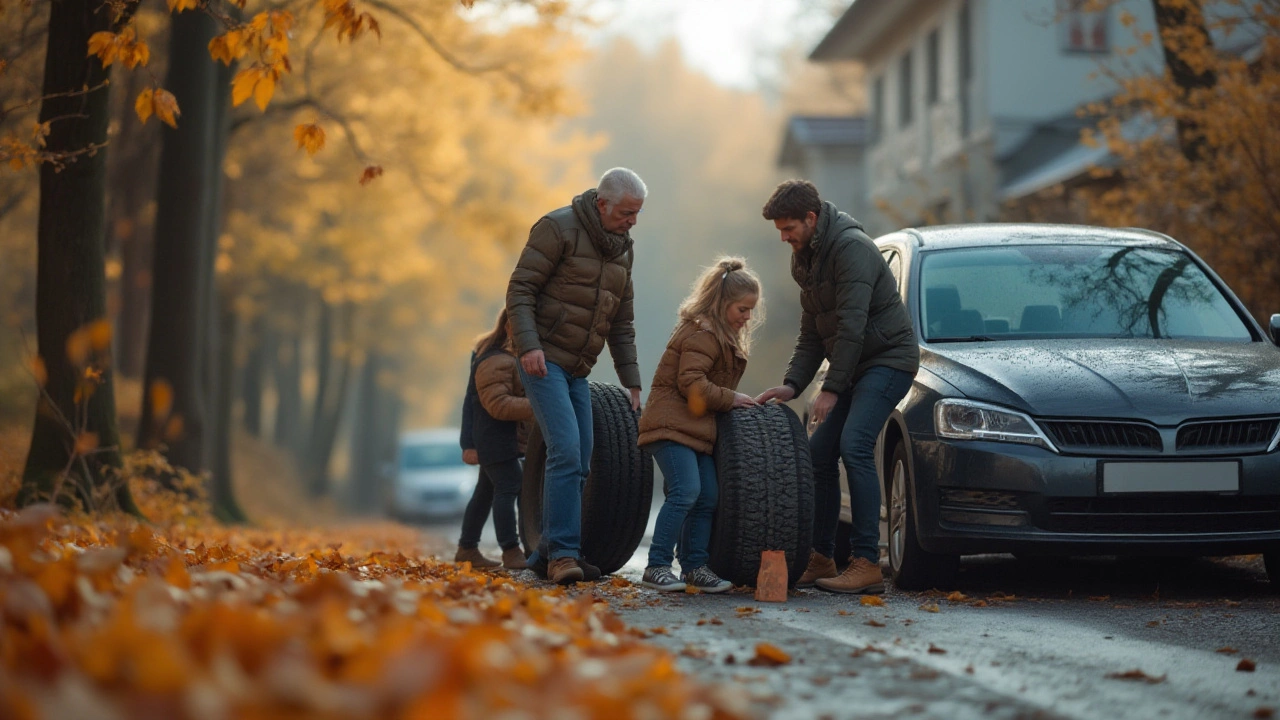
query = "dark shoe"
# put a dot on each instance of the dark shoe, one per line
(473, 556)
(862, 576)
(513, 559)
(706, 580)
(590, 573)
(661, 578)
(564, 571)
(820, 566)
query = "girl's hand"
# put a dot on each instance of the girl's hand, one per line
(741, 400)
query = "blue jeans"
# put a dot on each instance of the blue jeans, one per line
(562, 405)
(689, 481)
(849, 434)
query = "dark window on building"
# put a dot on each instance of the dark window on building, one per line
(965, 59)
(931, 62)
(1083, 30)
(877, 107)
(905, 93)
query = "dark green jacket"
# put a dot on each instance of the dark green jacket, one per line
(852, 312)
(571, 293)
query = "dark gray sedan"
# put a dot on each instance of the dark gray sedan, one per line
(1081, 391)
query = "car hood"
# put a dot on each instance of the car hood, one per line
(1162, 381)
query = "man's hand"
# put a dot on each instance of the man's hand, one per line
(822, 406)
(471, 457)
(635, 399)
(534, 363)
(742, 400)
(782, 393)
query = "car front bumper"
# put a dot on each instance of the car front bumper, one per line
(988, 497)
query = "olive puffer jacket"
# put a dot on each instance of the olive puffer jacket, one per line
(571, 292)
(696, 379)
(852, 313)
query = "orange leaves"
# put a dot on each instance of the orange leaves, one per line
(371, 173)
(697, 402)
(159, 102)
(178, 6)
(350, 24)
(124, 47)
(309, 136)
(230, 46)
(256, 82)
(872, 600)
(160, 395)
(769, 656)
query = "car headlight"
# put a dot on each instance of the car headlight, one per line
(969, 420)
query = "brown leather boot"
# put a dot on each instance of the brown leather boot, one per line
(820, 566)
(862, 576)
(473, 556)
(513, 559)
(564, 571)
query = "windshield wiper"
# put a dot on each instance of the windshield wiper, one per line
(966, 338)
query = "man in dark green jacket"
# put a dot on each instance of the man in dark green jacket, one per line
(852, 316)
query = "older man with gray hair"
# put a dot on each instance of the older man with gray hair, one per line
(569, 295)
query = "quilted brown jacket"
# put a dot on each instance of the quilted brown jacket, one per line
(696, 379)
(571, 292)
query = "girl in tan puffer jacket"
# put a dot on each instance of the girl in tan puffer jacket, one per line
(697, 378)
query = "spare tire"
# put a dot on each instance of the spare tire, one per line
(765, 474)
(619, 490)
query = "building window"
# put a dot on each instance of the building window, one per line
(877, 107)
(1083, 30)
(931, 67)
(905, 105)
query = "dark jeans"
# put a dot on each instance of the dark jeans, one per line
(499, 488)
(849, 434)
(562, 405)
(689, 481)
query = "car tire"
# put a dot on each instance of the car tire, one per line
(765, 478)
(912, 566)
(619, 489)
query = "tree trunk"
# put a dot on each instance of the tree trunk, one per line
(222, 492)
(261, 345)
(366, 465)
(1182, 31)
(286, 430)
(70, 256)
(324, 365)
(177, 344)
(328, 414)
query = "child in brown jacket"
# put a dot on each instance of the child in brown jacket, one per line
(494, 407)
(696, 379)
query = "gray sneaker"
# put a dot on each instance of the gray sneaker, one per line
(705, 580)
(661, 578)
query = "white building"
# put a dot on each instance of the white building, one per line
(972, 102)
(831, 152)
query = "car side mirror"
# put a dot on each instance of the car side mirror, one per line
(1275, 329)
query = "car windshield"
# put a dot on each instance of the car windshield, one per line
(428, 457)
(1071, 291)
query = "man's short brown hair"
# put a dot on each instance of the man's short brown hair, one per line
(793, 200)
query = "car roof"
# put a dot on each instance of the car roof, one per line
(430, 436)
(988, 234)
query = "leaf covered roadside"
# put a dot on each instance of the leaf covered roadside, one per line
(112, 618)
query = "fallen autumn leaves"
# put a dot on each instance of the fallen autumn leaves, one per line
(109, 619)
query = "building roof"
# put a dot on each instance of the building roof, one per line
(1053, 154)
(821, 131)
(855, 34)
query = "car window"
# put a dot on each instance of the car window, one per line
(1072, 291)
(429, 456)
(894, 259)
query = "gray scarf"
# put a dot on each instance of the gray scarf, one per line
(609, 244)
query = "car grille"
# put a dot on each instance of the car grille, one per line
(1185, 514)
(1073, 436)
(992, 499)
(1239, 435)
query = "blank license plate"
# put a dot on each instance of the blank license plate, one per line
(1138, 477)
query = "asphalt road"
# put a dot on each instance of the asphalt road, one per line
(1035, 638)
